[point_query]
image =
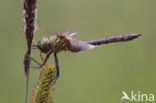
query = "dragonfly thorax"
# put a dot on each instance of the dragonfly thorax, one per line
(59, 43)
(55, 44)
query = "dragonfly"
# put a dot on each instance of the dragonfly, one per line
(64, 42)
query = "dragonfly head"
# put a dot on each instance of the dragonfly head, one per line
(43, 45)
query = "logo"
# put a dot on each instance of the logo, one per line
(137, 96)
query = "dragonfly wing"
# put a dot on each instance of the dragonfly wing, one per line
(76, 45)
(68, 33)
(65, 33)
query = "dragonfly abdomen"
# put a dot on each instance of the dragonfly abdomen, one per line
(118, 38)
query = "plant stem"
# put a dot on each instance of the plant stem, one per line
(29, 7)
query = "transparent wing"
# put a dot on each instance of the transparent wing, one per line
(68, 33)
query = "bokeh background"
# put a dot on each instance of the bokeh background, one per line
(95, 76)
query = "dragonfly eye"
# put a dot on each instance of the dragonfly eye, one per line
(44, 45)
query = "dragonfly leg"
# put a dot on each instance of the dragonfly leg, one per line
(45, 60)
(35, 61)
(57, 65)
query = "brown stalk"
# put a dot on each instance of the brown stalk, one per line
(29, 7)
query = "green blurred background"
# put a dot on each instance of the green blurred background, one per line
(95, 76)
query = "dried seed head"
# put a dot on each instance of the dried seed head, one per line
(43, 88)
